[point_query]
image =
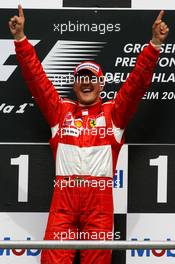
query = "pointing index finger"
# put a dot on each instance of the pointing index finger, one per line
(160, 15)
(20, 10)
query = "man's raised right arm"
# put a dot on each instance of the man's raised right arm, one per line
(40, 86)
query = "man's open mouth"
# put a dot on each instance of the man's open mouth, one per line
(86, 90)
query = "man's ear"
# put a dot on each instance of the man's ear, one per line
(74, 87)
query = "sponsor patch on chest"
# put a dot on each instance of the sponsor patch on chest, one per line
(74, 126)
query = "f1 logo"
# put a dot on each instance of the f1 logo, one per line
(8, 48)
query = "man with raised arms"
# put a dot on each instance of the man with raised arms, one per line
(79, 157)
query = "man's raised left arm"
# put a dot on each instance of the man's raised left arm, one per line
(139, 80)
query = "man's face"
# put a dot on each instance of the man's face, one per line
(87, 87)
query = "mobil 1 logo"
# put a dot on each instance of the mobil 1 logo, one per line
(151, 178)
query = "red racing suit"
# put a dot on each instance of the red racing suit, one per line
(86, 142)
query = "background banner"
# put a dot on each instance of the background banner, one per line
(65, 39)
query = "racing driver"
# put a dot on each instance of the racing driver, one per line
(82, 155)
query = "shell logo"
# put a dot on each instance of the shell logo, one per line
(78, 123)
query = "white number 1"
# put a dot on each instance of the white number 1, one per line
(162, 163)
(23, 174)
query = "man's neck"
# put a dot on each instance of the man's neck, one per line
(88, 105)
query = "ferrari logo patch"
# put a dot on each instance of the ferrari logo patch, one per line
(93, 123)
